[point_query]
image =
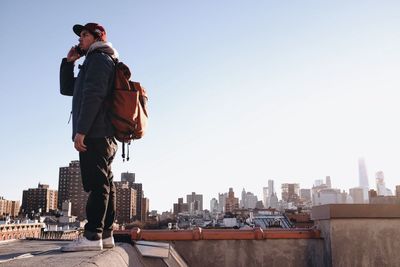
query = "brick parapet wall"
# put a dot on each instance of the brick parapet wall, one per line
(20, 231)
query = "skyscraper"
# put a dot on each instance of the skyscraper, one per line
(70, 188)
(180, 206)
(222, 200)
(250, 201)
(214, 205)
(130, 178)
(290, 192)
(242, 202)
(363, 178)
(195, 202)
(126, 202)
(268, 192)
(231, 202)
(380, 184)
(273, 201)
(265, 196)
(271, 189)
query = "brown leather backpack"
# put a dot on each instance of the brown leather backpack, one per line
(127, 107)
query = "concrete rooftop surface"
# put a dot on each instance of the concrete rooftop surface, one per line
(47, 253)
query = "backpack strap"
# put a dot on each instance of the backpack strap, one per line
(115, 60)
(123, 151)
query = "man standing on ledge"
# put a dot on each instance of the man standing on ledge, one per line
(92, 131)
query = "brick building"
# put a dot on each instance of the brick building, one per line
(126, 202)
(231, 202)
(40, 199)
(9, 208)
(70, 188)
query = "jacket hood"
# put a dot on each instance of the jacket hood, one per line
(105, 47)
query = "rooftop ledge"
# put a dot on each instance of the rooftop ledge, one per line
(218, 234)
(354, 211)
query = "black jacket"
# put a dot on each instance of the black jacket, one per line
(89, 90)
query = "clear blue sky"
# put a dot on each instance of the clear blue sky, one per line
(240, 92)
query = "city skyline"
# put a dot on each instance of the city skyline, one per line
(126, 176)
(292, 92)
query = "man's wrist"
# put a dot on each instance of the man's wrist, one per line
(67, 61)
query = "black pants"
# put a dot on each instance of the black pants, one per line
(97, 178)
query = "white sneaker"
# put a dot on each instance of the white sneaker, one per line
(108, 242)
(83, 244)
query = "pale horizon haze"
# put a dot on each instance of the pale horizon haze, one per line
(240, 92)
